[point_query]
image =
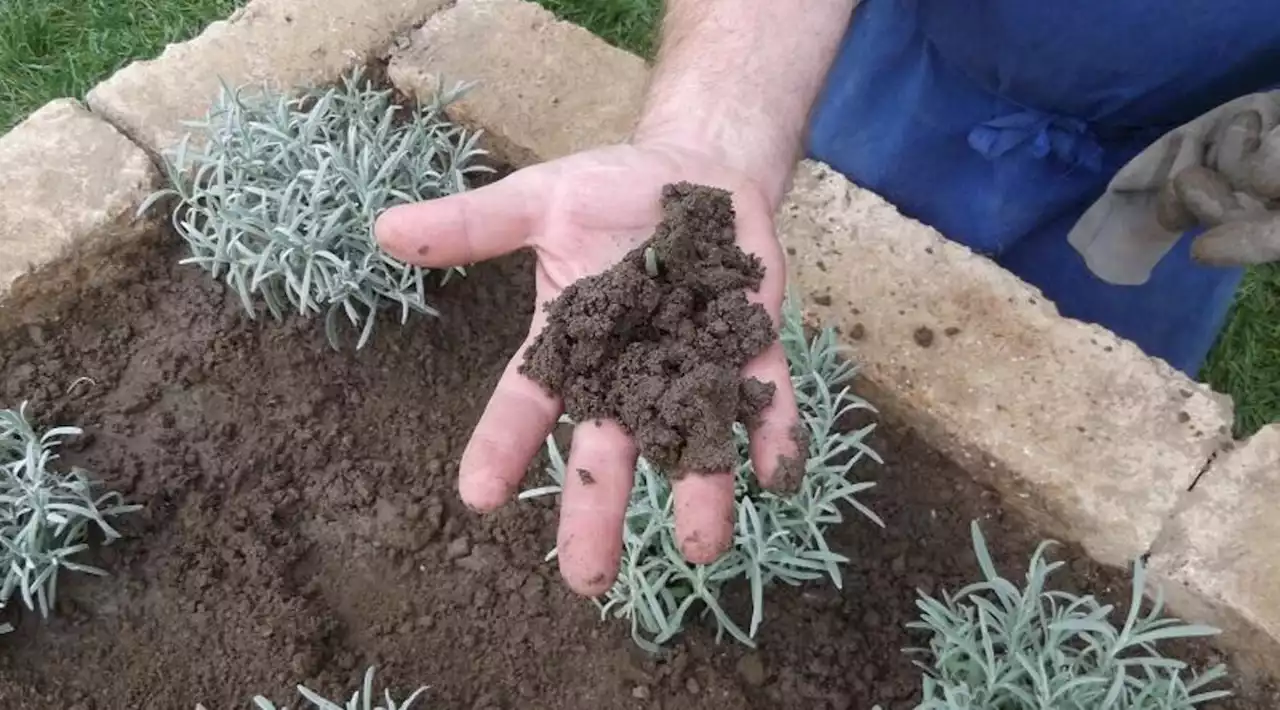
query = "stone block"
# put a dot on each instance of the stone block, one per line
(544, 88)
(1073, 425)
(1218, 559)
(66, 178)
(280, 44)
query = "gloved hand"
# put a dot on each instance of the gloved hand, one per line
(1221, 171)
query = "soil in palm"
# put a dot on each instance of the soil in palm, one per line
(658, 342)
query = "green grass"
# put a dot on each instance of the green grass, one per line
(52, 48)
(1246, 359)
(630, 24)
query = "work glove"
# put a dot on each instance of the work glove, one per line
(1221, 171)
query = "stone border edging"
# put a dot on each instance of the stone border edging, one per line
(1095, 441)
(1218, 557)
(280, 43)
(69, 184)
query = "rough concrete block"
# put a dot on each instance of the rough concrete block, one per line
(66, 178)
(278, 43)
(1075, 426)
(1217, 557)
(545, 88)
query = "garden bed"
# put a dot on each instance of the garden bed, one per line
(301, 523)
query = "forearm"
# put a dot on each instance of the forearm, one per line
(738, 78)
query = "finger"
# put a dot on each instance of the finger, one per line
(1246, 243)
(466, 227)
(1239, 139)
(1264, 167)
(704, 511)
(597, 488)
(778, 444)
(1171, 213)
(1207, 195)
(512, 429)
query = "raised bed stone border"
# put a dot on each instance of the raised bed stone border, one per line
(1099, 444)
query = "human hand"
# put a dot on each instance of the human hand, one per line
(581, 214)
(1220, 171)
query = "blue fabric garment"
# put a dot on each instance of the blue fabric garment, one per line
(998, 122)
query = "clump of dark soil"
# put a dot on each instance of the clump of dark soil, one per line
(658, 342)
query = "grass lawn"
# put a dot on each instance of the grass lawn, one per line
(52, 48)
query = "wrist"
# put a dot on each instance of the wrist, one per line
(755, 146)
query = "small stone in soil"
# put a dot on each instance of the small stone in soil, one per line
(751, 668)
(662, 353)
(923, 337)
(457, 548)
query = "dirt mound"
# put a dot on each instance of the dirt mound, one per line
(658, 341)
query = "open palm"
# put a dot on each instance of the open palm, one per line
(581, 214)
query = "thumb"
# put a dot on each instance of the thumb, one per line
(467, 227)
(1243, 243)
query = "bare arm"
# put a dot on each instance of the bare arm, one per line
(737, 78)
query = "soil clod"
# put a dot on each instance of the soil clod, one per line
(923, 336)
(658, 342)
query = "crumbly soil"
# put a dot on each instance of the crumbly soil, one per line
(301, 523)
(658, 342)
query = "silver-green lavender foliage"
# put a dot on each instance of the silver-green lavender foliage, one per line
(363, 698)
(777, 538)
(45, 513)
(282, 198)
(996, 646)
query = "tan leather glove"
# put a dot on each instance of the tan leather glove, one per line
(1220, 171)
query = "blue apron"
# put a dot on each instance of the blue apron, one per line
(998, 122)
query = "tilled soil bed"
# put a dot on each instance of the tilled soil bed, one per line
(301, 523)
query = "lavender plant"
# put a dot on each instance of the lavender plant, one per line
(778, 538)
(995, 646)
(45, 514)
(281, 200)
(362, 699)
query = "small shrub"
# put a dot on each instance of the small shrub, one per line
(45, 514)
(282, 199)
(994, 646)
(362, 699)
(777, 538)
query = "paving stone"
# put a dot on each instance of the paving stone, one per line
(281, 44)
(544, 88)
(1218, 559)
(1073, 425)
(67, 179)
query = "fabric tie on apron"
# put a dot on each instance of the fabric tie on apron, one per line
(1039, 134)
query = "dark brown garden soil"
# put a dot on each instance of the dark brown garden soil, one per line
(658, 342)
(301, 523)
